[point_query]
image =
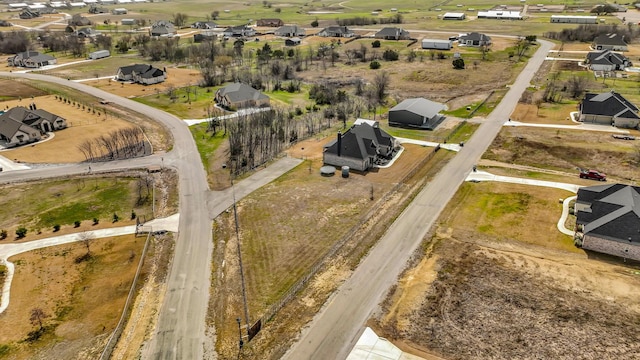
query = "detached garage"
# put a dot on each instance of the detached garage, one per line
(417, 113)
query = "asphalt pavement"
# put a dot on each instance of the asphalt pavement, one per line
(335, 329)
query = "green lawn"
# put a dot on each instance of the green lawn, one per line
(206, 143)
(43, 205)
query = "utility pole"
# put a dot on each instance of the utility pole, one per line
(244, 290)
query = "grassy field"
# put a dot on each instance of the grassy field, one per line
(509, 211)
(82, 300)
(41, 205)
(286, 226)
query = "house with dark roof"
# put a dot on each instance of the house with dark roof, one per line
(87, 32)
(608, 220)
(239, 31)
(611, 41)
(29, 14)
(607, 60)
(269, 22)
(31, 59)
(19, 125)
(294, 41)
(239, 96)
(361, 147)
(290, 31)
(609, 108)
(162, 28)
(336, 31)
(392, 33)
(142, 74)
(204, 25)
(79, 20)
(417, 113)
(474, 39)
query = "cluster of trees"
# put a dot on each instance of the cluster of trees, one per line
(588, 32)
(118, 144)
(14, 42)
(361, 20)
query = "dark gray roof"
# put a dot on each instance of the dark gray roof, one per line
(392, 32)
(610, 39)
(361, 141)
(606, 57)
(420, 106)
(614, 211)
(241, 92)
(162, 27)
(609, 103)
(475, 36)
(289, 29)
(141, 69)
(33, 55)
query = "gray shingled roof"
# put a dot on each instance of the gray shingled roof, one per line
(609, 103)
(241, 92)
(420, 106)
(610, 39)
(614, 211)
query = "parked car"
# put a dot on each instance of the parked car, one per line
(623, 136)
(593, 175)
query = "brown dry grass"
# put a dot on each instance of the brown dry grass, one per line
(458, 300)
(565, 150)
(83, 299)
(82, 126)
(293, 221)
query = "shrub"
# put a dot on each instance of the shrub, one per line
(95, 221)
(56, 227)
(314, 23)
(374, 65)
(458, 64)
(76, 223)
(115, 217)
(375, 44)
(133, 215)
(390, 55)
(21, 232)
(3, 234)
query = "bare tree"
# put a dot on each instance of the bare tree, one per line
(87, 239)
(180, 19)
(38, 317)
(380, 85)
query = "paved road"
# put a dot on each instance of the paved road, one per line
(334, 331)
(180, 331)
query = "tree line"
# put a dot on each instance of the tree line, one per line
(588, 32)
(118, 144)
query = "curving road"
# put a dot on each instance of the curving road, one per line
(335, 330)
(180, 330)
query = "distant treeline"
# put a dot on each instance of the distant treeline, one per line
(588, 32)
(359, 21)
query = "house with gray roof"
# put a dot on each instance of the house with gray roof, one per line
(361, 147)
(31, 59)
(474, 39)
(142, 74)
(240, 96)
(239, 31)
(611, 41)
(19, 125)
(609, 108)
(87, 32)
(162, 28)
(608, 220)
(290, 31)
(392, 33)
(417, 113)
(204, 25)
(336, 31)
(269, 22)
(607, 60)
